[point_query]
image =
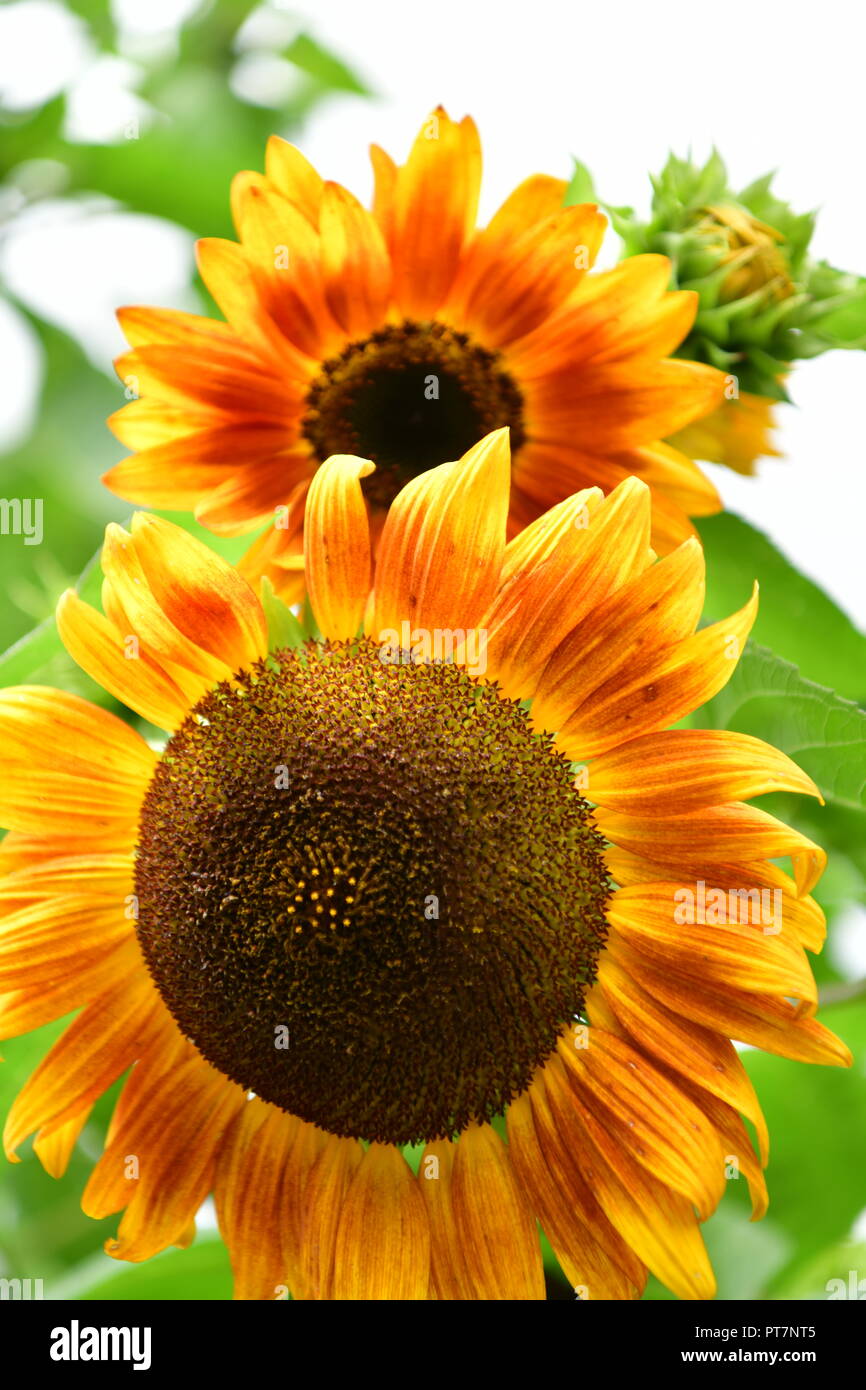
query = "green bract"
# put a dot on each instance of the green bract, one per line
(764, 302)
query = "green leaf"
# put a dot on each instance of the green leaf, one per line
(581, 189)
(26, 133)
(99, 16)
(796, 619)
(201, 1272)
(846, 828)
(284, 630)
(42, 1227)
(823, 733)
(59, 464)
(817, 1142)
(40, 657)
(814, 1280)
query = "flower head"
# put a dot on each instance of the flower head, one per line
(419, 929)
(404, 335)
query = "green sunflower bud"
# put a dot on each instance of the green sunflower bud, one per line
(763, 301)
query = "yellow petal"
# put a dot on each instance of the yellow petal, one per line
(355, 263)
(442, 544)
(383, 1242)
(685, 770)
(664, 686)
(67, 762)
(337, 545)
(500, 1241)
(434, 209)
(100, 649)
(248, 1193)
(582, 1238)
(449, 1276)
(323, 1199)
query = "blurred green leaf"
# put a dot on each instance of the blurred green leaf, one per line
(846, 326)
(745, 1254)
(201, 1272)
(818, 1140)
(40, 658)
(177, 165)
(827, 1273)
(27, 135)
(312, 58)
(99, 17)
(60, 463)
(42, 1227)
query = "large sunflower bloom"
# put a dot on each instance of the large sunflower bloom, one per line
(361, 907)
(404, 335)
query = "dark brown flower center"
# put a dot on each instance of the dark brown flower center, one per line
(368, 891)
(409, 397)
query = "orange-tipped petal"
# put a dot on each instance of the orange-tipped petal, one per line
(383, 1241)
(441, 547)
(499, 1238)
(337, 545)
(434, 209)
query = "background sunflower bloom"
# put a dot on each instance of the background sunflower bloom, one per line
(404, 335)
(298, 858)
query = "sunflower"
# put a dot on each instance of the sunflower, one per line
(405, 335)
(390, 932)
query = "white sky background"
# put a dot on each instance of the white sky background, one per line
(774, 85)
